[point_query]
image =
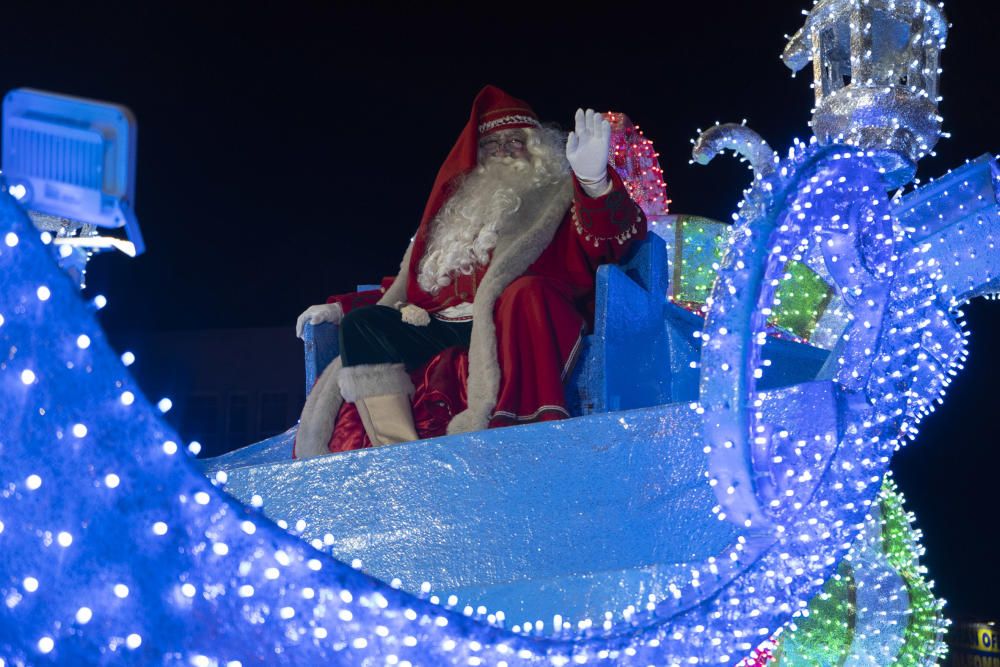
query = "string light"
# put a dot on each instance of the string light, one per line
(632, 155)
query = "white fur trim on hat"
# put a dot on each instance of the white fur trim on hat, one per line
(516, 120)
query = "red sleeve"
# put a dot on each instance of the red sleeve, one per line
(354, 300)
(606, 225)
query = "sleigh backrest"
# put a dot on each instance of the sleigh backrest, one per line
(624, 363)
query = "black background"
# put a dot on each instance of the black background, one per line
(286, 151)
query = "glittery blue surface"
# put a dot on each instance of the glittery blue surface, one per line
(607, 512)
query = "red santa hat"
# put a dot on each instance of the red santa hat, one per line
(492, 110)
(495, 110)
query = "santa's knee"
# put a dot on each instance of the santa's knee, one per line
(529, 295)
(363, 328)
(353, 325)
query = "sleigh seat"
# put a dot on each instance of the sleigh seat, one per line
(620, 365)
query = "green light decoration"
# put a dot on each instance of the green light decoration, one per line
(825, 636)
(696, 246)
(801, 300)
(925, 631)
(840, 629)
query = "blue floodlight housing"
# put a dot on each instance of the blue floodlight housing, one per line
(72, 158)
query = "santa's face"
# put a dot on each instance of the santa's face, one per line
(504, 144)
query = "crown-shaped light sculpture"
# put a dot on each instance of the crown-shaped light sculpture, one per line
(875, 70)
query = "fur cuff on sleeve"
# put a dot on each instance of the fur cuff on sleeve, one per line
(473, 418)
(374, 380)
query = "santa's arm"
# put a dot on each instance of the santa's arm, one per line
(606, 225)
(604, 216)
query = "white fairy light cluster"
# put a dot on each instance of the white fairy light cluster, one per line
(764, 493)
(902, 344)
(876, 67)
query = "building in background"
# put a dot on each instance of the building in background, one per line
(973, 643)
(227, 387)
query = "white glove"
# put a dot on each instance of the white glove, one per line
(324, 312)
(587, 151)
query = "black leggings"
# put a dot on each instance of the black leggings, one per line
(378, 335)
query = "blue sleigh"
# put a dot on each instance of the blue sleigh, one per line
(537, 520)
(597, 516)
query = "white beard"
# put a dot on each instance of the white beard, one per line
(467, 228)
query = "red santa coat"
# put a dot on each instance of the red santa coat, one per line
(539, 319)
(541, 315)
(529, 305)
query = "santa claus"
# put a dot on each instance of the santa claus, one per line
(501, 269)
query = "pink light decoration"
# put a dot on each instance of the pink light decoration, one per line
(632, 155)
(761, 656)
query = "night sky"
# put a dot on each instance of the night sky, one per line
(286, 151)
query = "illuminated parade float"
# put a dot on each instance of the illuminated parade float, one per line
(720, 496)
